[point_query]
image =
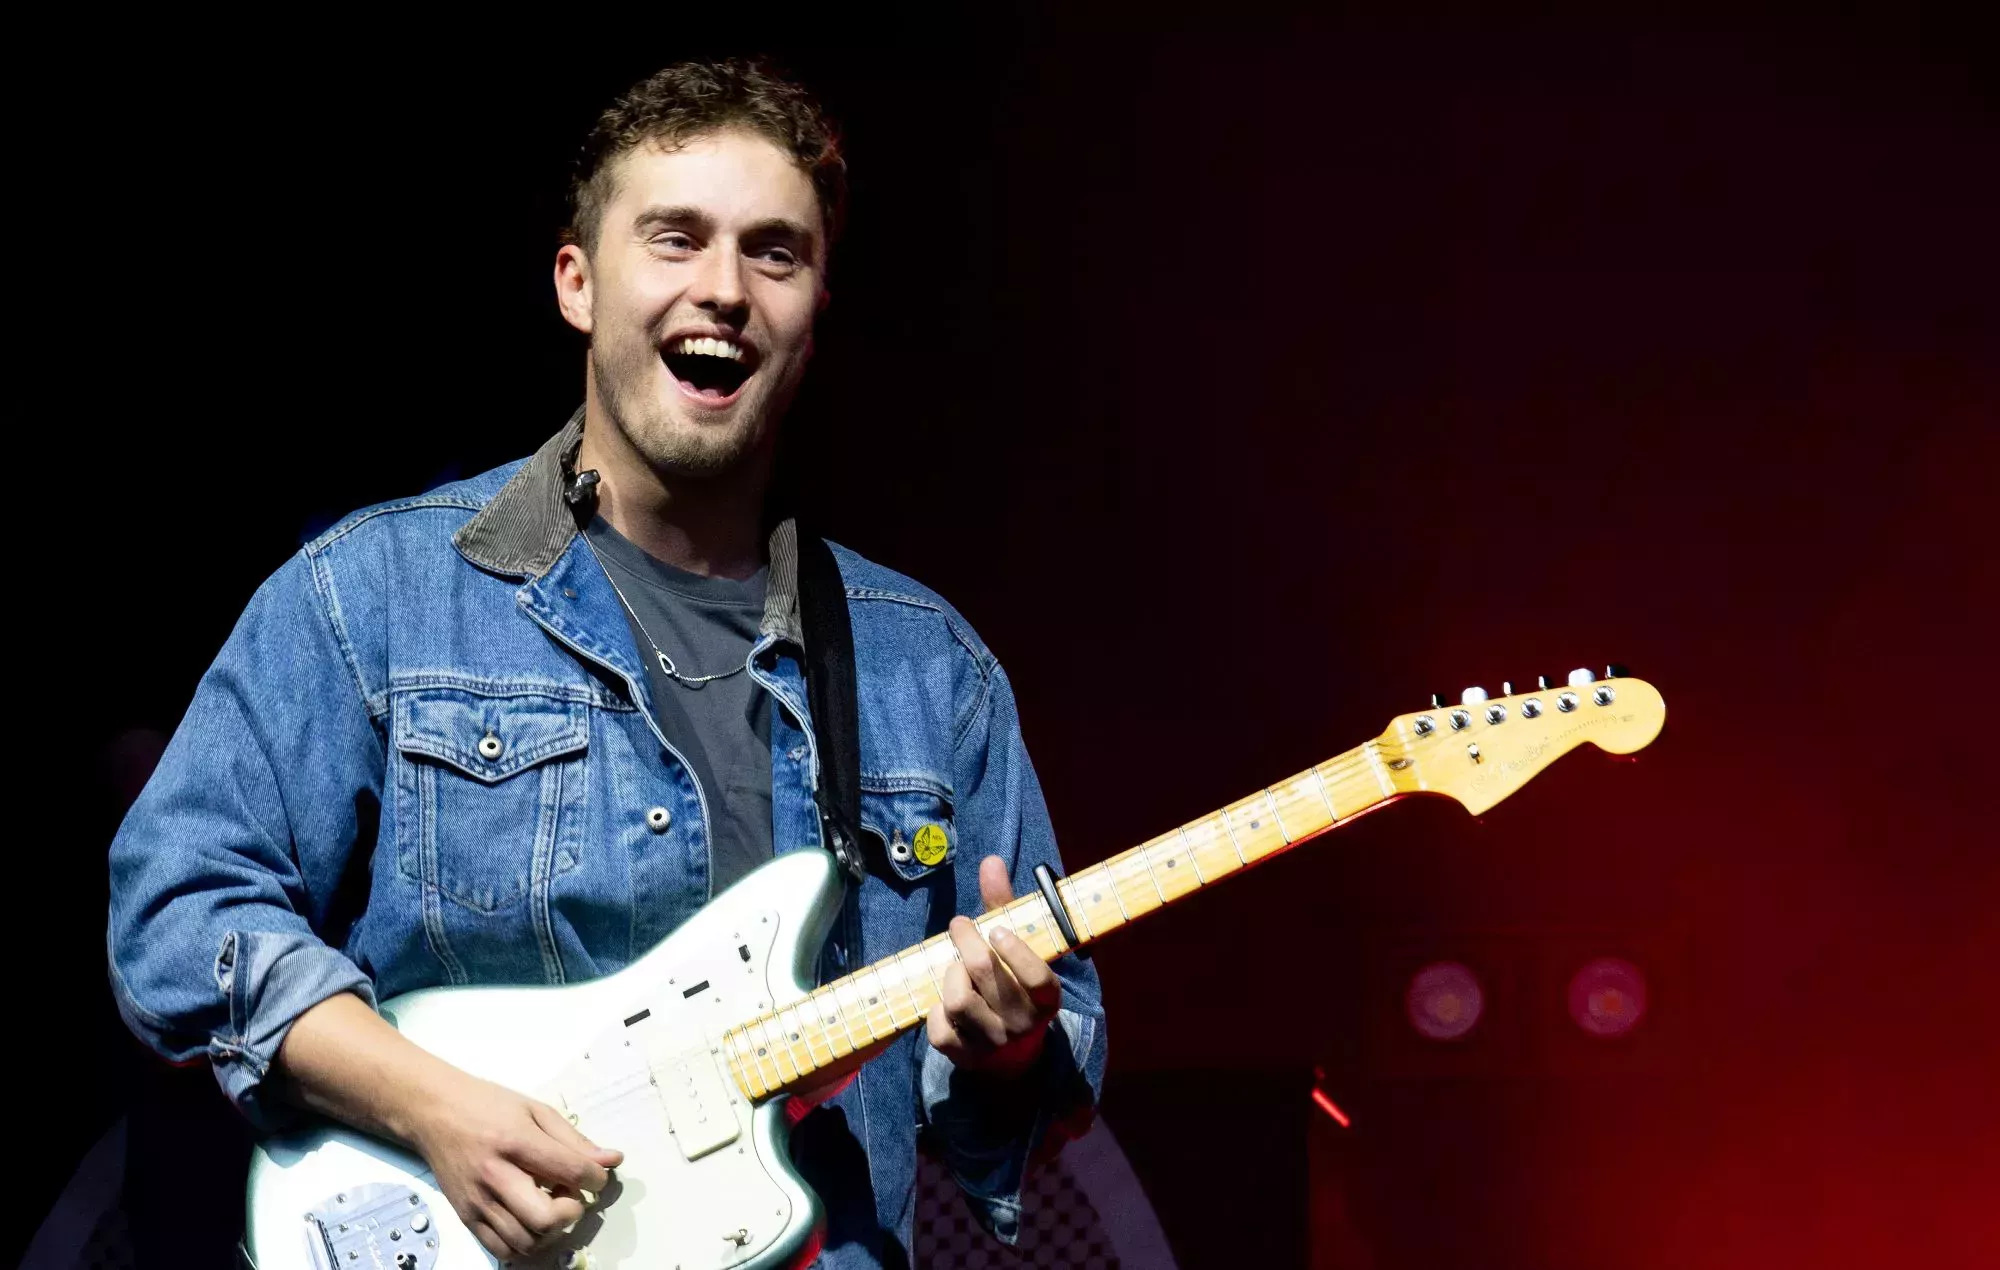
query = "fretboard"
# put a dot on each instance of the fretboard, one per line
(771, 1053)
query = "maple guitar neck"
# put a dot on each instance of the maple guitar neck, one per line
(1478, 753)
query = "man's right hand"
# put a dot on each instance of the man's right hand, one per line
(511, 1167)
(494, 1151)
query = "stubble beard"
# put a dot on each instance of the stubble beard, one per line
(671, 447)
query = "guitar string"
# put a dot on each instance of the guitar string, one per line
(1363, 763)
(1355, 769)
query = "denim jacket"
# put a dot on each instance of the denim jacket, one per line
(427, 755)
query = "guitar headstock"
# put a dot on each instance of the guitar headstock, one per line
(1482, 749)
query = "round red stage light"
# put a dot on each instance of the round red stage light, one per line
(1444, 1001)
(1607, 997)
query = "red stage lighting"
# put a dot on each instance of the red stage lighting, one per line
(1607, 997)
(1443, 1001)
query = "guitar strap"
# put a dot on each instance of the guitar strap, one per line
(830, 694)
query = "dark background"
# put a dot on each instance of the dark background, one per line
(1242, 386)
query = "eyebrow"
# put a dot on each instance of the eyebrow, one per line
(770, 227)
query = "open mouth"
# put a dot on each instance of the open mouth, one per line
(709, 369)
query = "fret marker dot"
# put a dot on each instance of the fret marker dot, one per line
(1097, 897)
(760, 1053)
(871, 1001)
(1170, 864)
(1255, 823)
(795, 1036)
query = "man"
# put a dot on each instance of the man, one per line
(553, 720)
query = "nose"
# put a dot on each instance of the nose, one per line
(719, 287)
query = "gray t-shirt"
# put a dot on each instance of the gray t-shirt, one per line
(723, 727)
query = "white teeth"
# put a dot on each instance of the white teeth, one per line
(711, 348)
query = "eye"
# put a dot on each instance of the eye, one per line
(673, 240)
(779, 256)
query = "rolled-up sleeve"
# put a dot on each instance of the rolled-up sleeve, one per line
(988, 1132)
(223, 867)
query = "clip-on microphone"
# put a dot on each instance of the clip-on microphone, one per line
(581, 493)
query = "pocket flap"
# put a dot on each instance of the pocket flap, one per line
(915, 825)
(489, 738)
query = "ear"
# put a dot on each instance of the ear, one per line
(573, 288)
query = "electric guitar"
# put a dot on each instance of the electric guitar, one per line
(684, 1059)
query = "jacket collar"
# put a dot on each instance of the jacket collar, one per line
(527, 527)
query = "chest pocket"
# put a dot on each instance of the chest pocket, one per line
(912, 817)
(489, 791)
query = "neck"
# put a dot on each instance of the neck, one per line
(846, 1017)
(709, 525)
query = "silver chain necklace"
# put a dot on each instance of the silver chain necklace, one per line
(666, 662)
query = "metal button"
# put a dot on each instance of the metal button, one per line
(490, 747)
(658, 819)
(898, 849)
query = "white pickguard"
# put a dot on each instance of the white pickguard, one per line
(706, 1182)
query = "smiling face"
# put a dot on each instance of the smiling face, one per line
(699, 299)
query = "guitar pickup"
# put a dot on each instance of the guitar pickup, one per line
(700, 1112)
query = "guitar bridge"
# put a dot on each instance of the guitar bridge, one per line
(372, 1225)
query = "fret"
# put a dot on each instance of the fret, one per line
(757, 1061)
(1097, 879)
(780, 1050)
(732, 1044)
(1233, 843)
(888, 992)
(1176, 879)
(1277, 817)
(735, 1068)
(1111, 882)
(841, 1016)
(1301, 809)
(1193, 863)
(1133, 900)
(1381, 774)
(878, 999)
(1332, 815)
(797, 1033)
(827, 1036)
(1043, 935)
(762, 1040)
(856, 1005)
(1256, 826)
(1146, 858)
(1204, 834)
(919, 1009)
(1077, 915)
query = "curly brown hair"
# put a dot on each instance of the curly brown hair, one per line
(690, 99)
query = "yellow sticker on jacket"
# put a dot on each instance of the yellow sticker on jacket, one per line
(931, 844)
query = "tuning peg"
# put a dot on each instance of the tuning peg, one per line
(1581, 677)
(1542, 682)
(1616, 671)
(1437, 701)
(1472, 696)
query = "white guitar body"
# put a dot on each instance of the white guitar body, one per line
(633, 1058)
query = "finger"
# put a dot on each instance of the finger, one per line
(937, 1029)
(989, 980)
(514, 1238)
(538, 1213)
(551, 1161)
(490, 1239)
(557, 1126)
(996, 889)
(1039, 983)
(976, 1023)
